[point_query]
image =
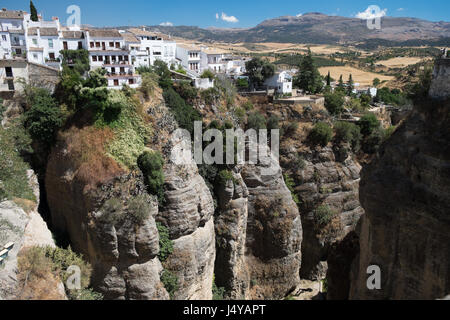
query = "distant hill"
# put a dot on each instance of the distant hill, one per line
(318, 28)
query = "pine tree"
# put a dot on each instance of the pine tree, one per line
(328, 79)
(33, 11)
(309, 78)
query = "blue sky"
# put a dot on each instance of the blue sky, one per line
(228, 13)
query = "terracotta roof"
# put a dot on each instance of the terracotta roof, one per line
(16, 31)
(73, 35)
(129, 37)
(11, 14)
(99, 33)
(48, 32)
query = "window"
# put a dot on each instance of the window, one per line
(65, 45)
(35, 42)
(131, 81)
(18, 51)
(126, 58)
(50, 43)
(100, 58)
(3, 37)
(116, 82)
(9, 72)
(118, 45)
(80, 45)
(35, 56)
(97, 44)
(111, 44)
(11, 85)
(94, 58)
(51, 55)
(92, 44)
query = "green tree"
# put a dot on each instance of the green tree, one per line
(368, 124)
(256, 121)
(376, 82)
(44, 117)
(350, 85)
(328, 79)
(349, 133)
(151, 164)
(334, 102)
(259, 70)
(309, 78)
(33, 12)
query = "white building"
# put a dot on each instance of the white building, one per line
(281, 82)
(191, 58)
(12, 34)
(44, 46)
(152, 46)
(107, 50)
(72, 39)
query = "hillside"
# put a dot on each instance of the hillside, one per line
(317, 28)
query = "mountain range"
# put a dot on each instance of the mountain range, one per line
(318, 28)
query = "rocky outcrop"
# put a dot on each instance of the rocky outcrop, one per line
(188, 214)
(327, 186)
(406, 196)
(259, 234)
(440, 87)
(25, 229)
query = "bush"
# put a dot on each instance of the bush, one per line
(151, 165)
(368, 124)
(248, 105)
(148, 85)
(290, 184)
(256, 121)
(242, 83)
(170, 282)
(207, 74)
(186, 91)
(218, 292)
(210, 96)
(273, 123)
(224, 177)
(290, 129)
(139, 209)
(112, 211)
(321, 134)
(165, 244)
(185, 114)
(348, 133)
(323, 215)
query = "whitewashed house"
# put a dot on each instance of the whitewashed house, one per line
(12, 34)
(153, 46)
(191, 58)
(107, 50)
(281, 82)
(72, 39)
(216, 60)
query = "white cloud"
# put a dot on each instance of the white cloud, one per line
(370, 13)
(299, 15)
(401, 9)
(227, 18)
(166, 24)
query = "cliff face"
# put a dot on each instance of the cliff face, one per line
(25, 229)
(406, 195)
(259, 235)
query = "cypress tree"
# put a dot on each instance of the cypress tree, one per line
(33, 11)
(350, 85)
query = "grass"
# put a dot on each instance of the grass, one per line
(13, 170)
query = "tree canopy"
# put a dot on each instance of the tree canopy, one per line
(309, 78)
(259, 70)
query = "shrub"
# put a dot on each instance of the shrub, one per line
(256, 121)
(151, 165)
(247, 105)
(165, 244)
(348, 133)
(242, 83)
(368, 124)
(321, 134)
(224, 177)
(290, 184)
(78, 59)
(170, 282)
(186, 91)
(210, 96)
(323, 215)
(139, 209)
(207, 74)
(185, 114)
(290, 129)
(148, 85)
(218, 292)
(112, 211)
(240, 114)
(273, 123)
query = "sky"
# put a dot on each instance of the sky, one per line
(223, 14)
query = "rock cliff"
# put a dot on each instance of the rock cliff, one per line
(406, 195)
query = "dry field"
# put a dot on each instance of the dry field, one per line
(401, 62)
(359, 76)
